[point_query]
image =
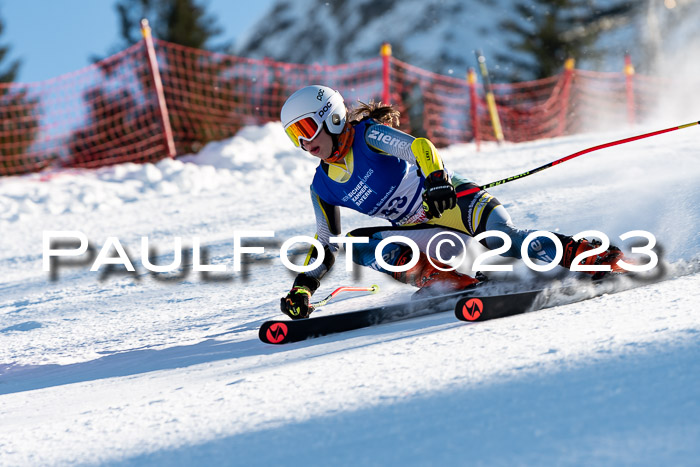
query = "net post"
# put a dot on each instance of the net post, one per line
(490, 98)
(629, 85)
(569, 65)
(473, 107)
(385, 52)
(158, 86)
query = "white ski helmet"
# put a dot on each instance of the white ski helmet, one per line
(305, 112)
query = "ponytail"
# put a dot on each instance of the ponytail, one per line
(384, 114)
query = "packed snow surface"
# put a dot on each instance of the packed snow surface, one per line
(111, 366)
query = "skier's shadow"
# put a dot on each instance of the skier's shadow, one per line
(14, 379)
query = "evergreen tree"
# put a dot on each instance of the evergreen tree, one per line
(183, 22)
(8, 72)
(18, 118)
(187, 91)
(550, 31)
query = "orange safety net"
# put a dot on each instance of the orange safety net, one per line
(110, 112)
(211, 96)
(99, 115)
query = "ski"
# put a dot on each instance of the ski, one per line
(482, 307)
(287, 331)
(483, 302)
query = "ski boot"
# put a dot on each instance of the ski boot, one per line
(610, 257)
(427, 276)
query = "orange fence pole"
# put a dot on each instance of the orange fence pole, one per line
(629, 81)
(385, 51)
(566, 92)
(158, 86)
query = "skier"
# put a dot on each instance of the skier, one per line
(367, 165)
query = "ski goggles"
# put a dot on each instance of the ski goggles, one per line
(306, 128)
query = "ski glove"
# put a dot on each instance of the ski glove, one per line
(296, 303)
(439, 194)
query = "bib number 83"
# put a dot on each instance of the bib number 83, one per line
(394, 205)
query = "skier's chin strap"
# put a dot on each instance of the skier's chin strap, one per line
(342, 143)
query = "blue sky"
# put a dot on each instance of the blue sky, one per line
(53, 37)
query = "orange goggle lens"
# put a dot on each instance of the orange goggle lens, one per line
(306, 128)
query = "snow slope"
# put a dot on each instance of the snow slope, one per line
(144, 368)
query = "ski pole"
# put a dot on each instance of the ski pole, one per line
(571, 156)
(372, 289)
